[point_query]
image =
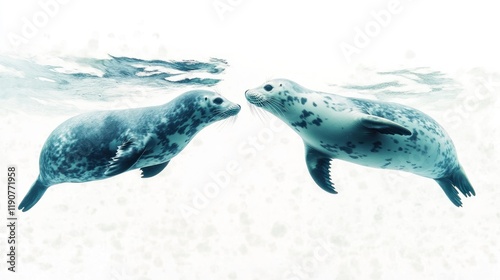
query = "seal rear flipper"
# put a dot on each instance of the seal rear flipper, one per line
(450, 191)
(33, 196)
(150, 171)
(319, 168)
(460, 180)
(383, 126)
(457, 180)
(126, 156)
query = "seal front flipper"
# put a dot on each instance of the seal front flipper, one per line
(383, 126)
(33, 196)
(126, 156)
(319, 168)
(150, 171)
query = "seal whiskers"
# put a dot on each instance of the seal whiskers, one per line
(229, 121)
(259, 102)
(260, 113)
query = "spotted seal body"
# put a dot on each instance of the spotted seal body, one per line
(98, 145)
(370, 133)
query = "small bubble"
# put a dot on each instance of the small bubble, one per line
(410, 54)
(278, 230)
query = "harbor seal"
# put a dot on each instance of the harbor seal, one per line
(99, 145)
(366, 132)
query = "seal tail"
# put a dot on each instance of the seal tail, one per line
(33, 196)
(457, 180)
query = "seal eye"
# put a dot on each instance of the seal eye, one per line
(268, 87)
(218, 100)
(206, 98)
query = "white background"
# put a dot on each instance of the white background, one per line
(271, 221)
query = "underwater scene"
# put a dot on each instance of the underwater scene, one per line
(249, 140)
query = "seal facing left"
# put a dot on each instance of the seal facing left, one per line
(99, 145)
(366, 132)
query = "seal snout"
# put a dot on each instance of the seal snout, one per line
(247, 94)
(250, 94)
(254, 97)
(234, 110)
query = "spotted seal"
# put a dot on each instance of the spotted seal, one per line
(366, 132)
(99, 145)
